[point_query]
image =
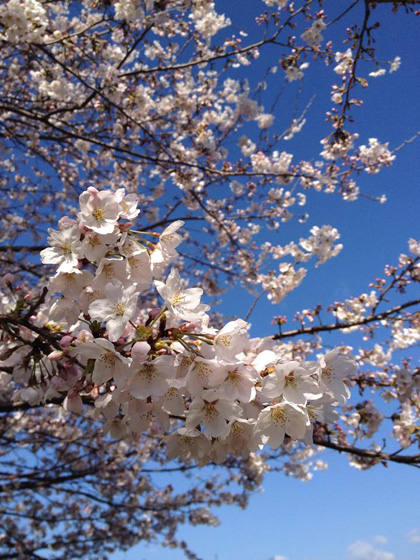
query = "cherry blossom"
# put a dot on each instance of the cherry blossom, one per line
(182, 303)
(150, 379)
(65, 250)
(99, 210)
(296, 384)
(274, 422)
(335, 367)
(213, 413)
(108, 362)
(135, 138)
(117, 308)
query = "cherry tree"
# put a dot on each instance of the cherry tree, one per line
(141, 175)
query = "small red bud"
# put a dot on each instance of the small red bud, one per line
(125, 226)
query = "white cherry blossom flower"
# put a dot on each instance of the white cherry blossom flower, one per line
(66, 310)
(118, 307)
(375, 156)
(183, 303)
(110, 270)
(164, 251)
(261, 360)
(377, 73)
(128, 203)
(187, 444)
(277, 3)
(274, 422)
(89, 295)
(213, 413)
(321, 410)
(116, 427)
(73, 404)
(231, 339)
(30, 395)
(140, 415)
(70, 284)
(335, 368)
(238, 382)
(96, 246)
(127, 245)
(108, 362)
(241, 439)
(173, 402)
(294, 73)
(66, 249)
(99, 210)
(345, 62)
(140, 269)
(24, 20)
(395, 64)
(201, 374)
(313, 35)
(150, 378)
(294, 381)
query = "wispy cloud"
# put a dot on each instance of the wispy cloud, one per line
(413, 536)
(361, 550)
(380, 539)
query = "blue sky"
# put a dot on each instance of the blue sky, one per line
(342, 514)
(317, 520)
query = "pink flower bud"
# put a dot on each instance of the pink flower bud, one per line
(139, 351)
(66, 341)
(56, 355)
(126, 226)
(188, 327)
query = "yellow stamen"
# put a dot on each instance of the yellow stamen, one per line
(98, 214)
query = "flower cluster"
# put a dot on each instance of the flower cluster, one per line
(23, 20)
(157, 368)
(374, 156)
(313, 35)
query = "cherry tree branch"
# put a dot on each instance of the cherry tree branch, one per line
(339, 326)
(379, 456)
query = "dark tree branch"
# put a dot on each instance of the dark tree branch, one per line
(339, 326)
(412, 460)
